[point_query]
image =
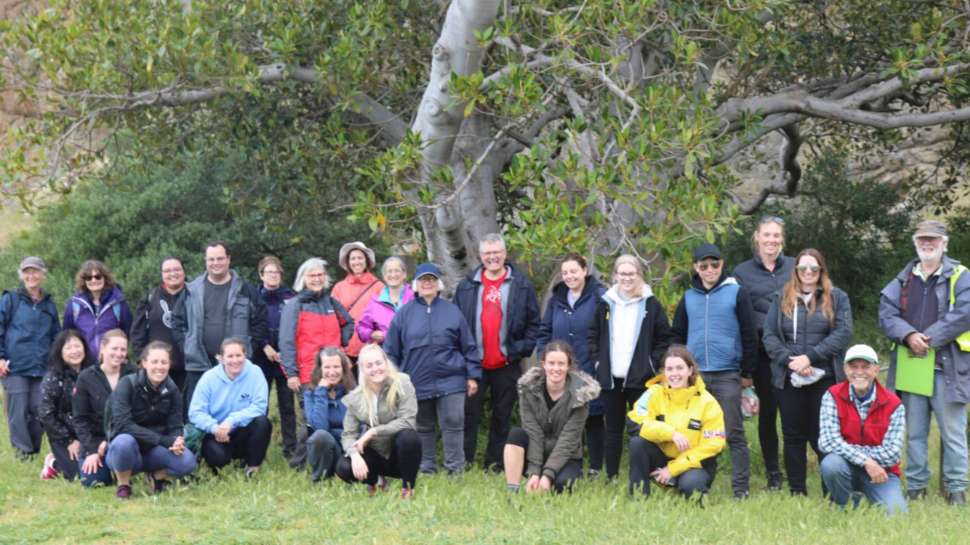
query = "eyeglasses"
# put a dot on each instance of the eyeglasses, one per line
(808, 268)
(89, 277)
(704, 265)
(270, 271)
(171, 271)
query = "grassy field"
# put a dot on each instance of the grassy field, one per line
(282, 506)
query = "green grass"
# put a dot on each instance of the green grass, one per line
(282, 506)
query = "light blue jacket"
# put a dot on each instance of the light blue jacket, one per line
(218, 399)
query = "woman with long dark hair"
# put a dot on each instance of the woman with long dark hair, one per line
(807, 330)
(98, 304)
(68, 357)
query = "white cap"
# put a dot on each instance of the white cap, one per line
(861, 352)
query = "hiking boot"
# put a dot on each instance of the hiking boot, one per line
(740, 495)
(775, 480)
(123, 492)
(48, 472)
(916, 494)
(956, 498)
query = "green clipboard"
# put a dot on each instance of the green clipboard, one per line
(915, 374)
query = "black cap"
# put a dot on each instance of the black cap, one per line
(706, 250)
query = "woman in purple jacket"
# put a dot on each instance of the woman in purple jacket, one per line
(382, 307)
(98, 305)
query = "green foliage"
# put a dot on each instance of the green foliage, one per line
(140, 213)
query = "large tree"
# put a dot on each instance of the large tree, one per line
(602, 125)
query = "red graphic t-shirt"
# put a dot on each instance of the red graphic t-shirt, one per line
(491, 317)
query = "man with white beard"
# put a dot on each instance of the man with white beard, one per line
(923, 310)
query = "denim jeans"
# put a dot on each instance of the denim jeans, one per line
(951, 418)
(124, 454)
(449, 413)
(845, 481)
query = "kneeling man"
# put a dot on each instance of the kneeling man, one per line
(861, 431)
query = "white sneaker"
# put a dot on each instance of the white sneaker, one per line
(48, 472)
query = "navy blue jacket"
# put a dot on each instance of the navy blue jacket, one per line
(520, 312)
(27, 330)
(324, 413)
(434, 346)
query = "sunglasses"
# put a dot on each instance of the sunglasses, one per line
(808, 268)
(704, 265)
(95, 276)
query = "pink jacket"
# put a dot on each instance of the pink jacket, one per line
(379, 313)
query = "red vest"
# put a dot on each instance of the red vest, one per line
(870, 432)
(313, 332)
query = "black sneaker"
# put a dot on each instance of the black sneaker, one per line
(916, 494)
(775, 480)
(956, 498)
(160, 485)
(741, 495)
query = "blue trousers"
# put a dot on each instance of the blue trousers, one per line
(124, 454)
(846, 481)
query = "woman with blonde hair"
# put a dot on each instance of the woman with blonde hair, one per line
(379, 436)
(629, 335)
(807, 330)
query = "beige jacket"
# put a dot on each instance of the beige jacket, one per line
(389, 421)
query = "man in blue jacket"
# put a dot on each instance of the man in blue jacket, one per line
(28, 325)
(716, 321)
(502, 310)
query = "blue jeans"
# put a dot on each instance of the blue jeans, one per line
(845, 481)
(951, 418)
(449, 413)
(124, 454)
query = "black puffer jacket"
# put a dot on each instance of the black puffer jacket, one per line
(822, 341)
(153, 416)
(56, 392)
(91, 392)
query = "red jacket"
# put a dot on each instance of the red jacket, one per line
(870, 432)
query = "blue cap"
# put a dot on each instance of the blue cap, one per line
(427, 269)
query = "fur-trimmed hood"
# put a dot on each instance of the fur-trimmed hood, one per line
(581, 387)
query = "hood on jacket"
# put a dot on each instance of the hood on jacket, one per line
(581, 386)
(613, 295)
(560, 291)
(946, 268)
(698, 284)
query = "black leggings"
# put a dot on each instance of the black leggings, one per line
(403, 463)
(799, 427)
(248, 443)
(595, 437)
(616, 403)
(565, 477)
(768, 412)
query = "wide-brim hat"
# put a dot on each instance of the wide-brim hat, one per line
(356, 245)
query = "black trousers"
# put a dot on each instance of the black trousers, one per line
(63, 463)
(768, 412)
(799, 427)
(616, 403)
(595, 437)
(248, 443)
(403, 463)
(565, 477)
(191, 380)
(502, 383)
(645, 457)
(284, 400)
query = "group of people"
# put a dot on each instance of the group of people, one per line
(379, 366)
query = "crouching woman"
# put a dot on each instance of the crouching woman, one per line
(553, 405)
(681, 433)
(145, 432)
(379, 433)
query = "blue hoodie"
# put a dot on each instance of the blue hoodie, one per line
(218, 399)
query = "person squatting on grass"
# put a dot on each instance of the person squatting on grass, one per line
(681, 432)
(91, 394)
(924, 310)
(28, 324)
(430, 341)
(332, 378)
(568, 317)
(764, 275)
(145, 424)
(861, 430)
(68, 357)
(629, 335)
(715, 320)
(553, 406)
(379, 431)
(806, 332)
(229, 405)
